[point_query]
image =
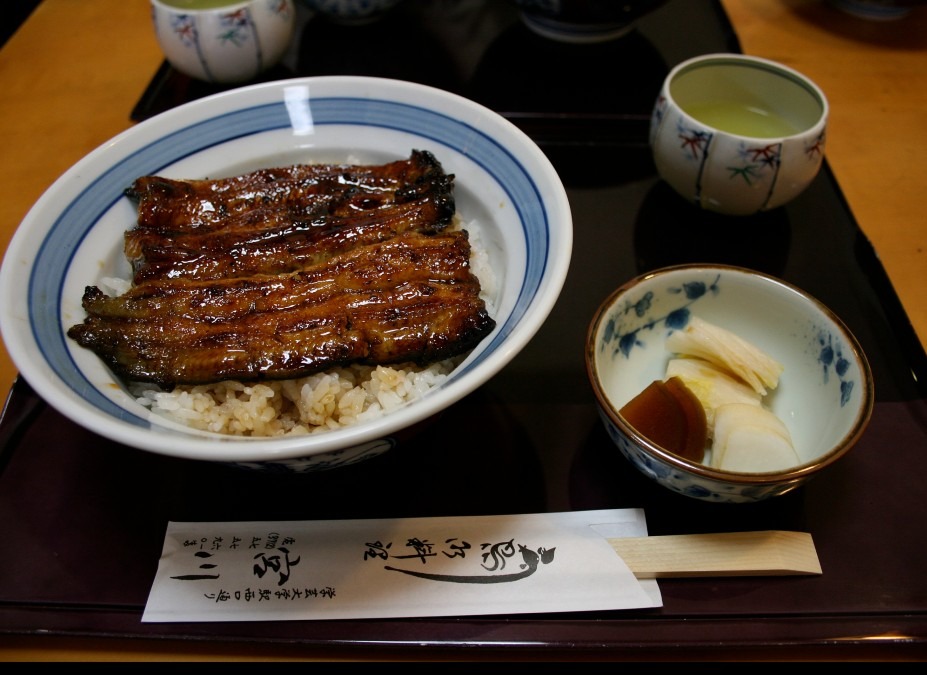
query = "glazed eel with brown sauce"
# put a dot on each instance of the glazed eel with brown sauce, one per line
(279, 220)
(281, 273)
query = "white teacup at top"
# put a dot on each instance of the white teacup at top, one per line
(738, 134)
(223, 41)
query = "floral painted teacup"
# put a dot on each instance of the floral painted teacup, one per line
(738, 134)
(223, 41)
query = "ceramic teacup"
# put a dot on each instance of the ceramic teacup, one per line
(738, 134)
(223, 41)
(584, 21)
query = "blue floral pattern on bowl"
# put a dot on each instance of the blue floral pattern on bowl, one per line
(625, 336)
(689, 484)
(825, 395)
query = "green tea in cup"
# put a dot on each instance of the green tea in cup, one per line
(740, 118)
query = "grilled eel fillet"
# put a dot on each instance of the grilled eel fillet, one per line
(374, 281)
(275, 221)
(410, 298)
(278, 244)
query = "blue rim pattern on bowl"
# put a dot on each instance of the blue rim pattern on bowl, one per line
(637, 318)
(78, 217)
(830, 348)
(688, 484)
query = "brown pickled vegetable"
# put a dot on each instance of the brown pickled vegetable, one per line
(669, 414)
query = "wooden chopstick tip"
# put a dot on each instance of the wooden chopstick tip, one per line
(759, 553)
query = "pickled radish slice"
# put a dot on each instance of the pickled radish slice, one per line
(727, 351)
(752, 439)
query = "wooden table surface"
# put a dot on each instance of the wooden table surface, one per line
(75, 69)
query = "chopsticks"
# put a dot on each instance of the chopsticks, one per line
(763, 553)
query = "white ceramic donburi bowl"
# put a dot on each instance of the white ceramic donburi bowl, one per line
(825, 393)
(73, 237)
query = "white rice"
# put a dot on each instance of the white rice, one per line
(330, 400)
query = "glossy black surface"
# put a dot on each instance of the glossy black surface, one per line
(83, 519)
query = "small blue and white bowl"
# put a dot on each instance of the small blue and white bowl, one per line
(825, 393)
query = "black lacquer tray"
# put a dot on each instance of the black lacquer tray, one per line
(83, 519)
